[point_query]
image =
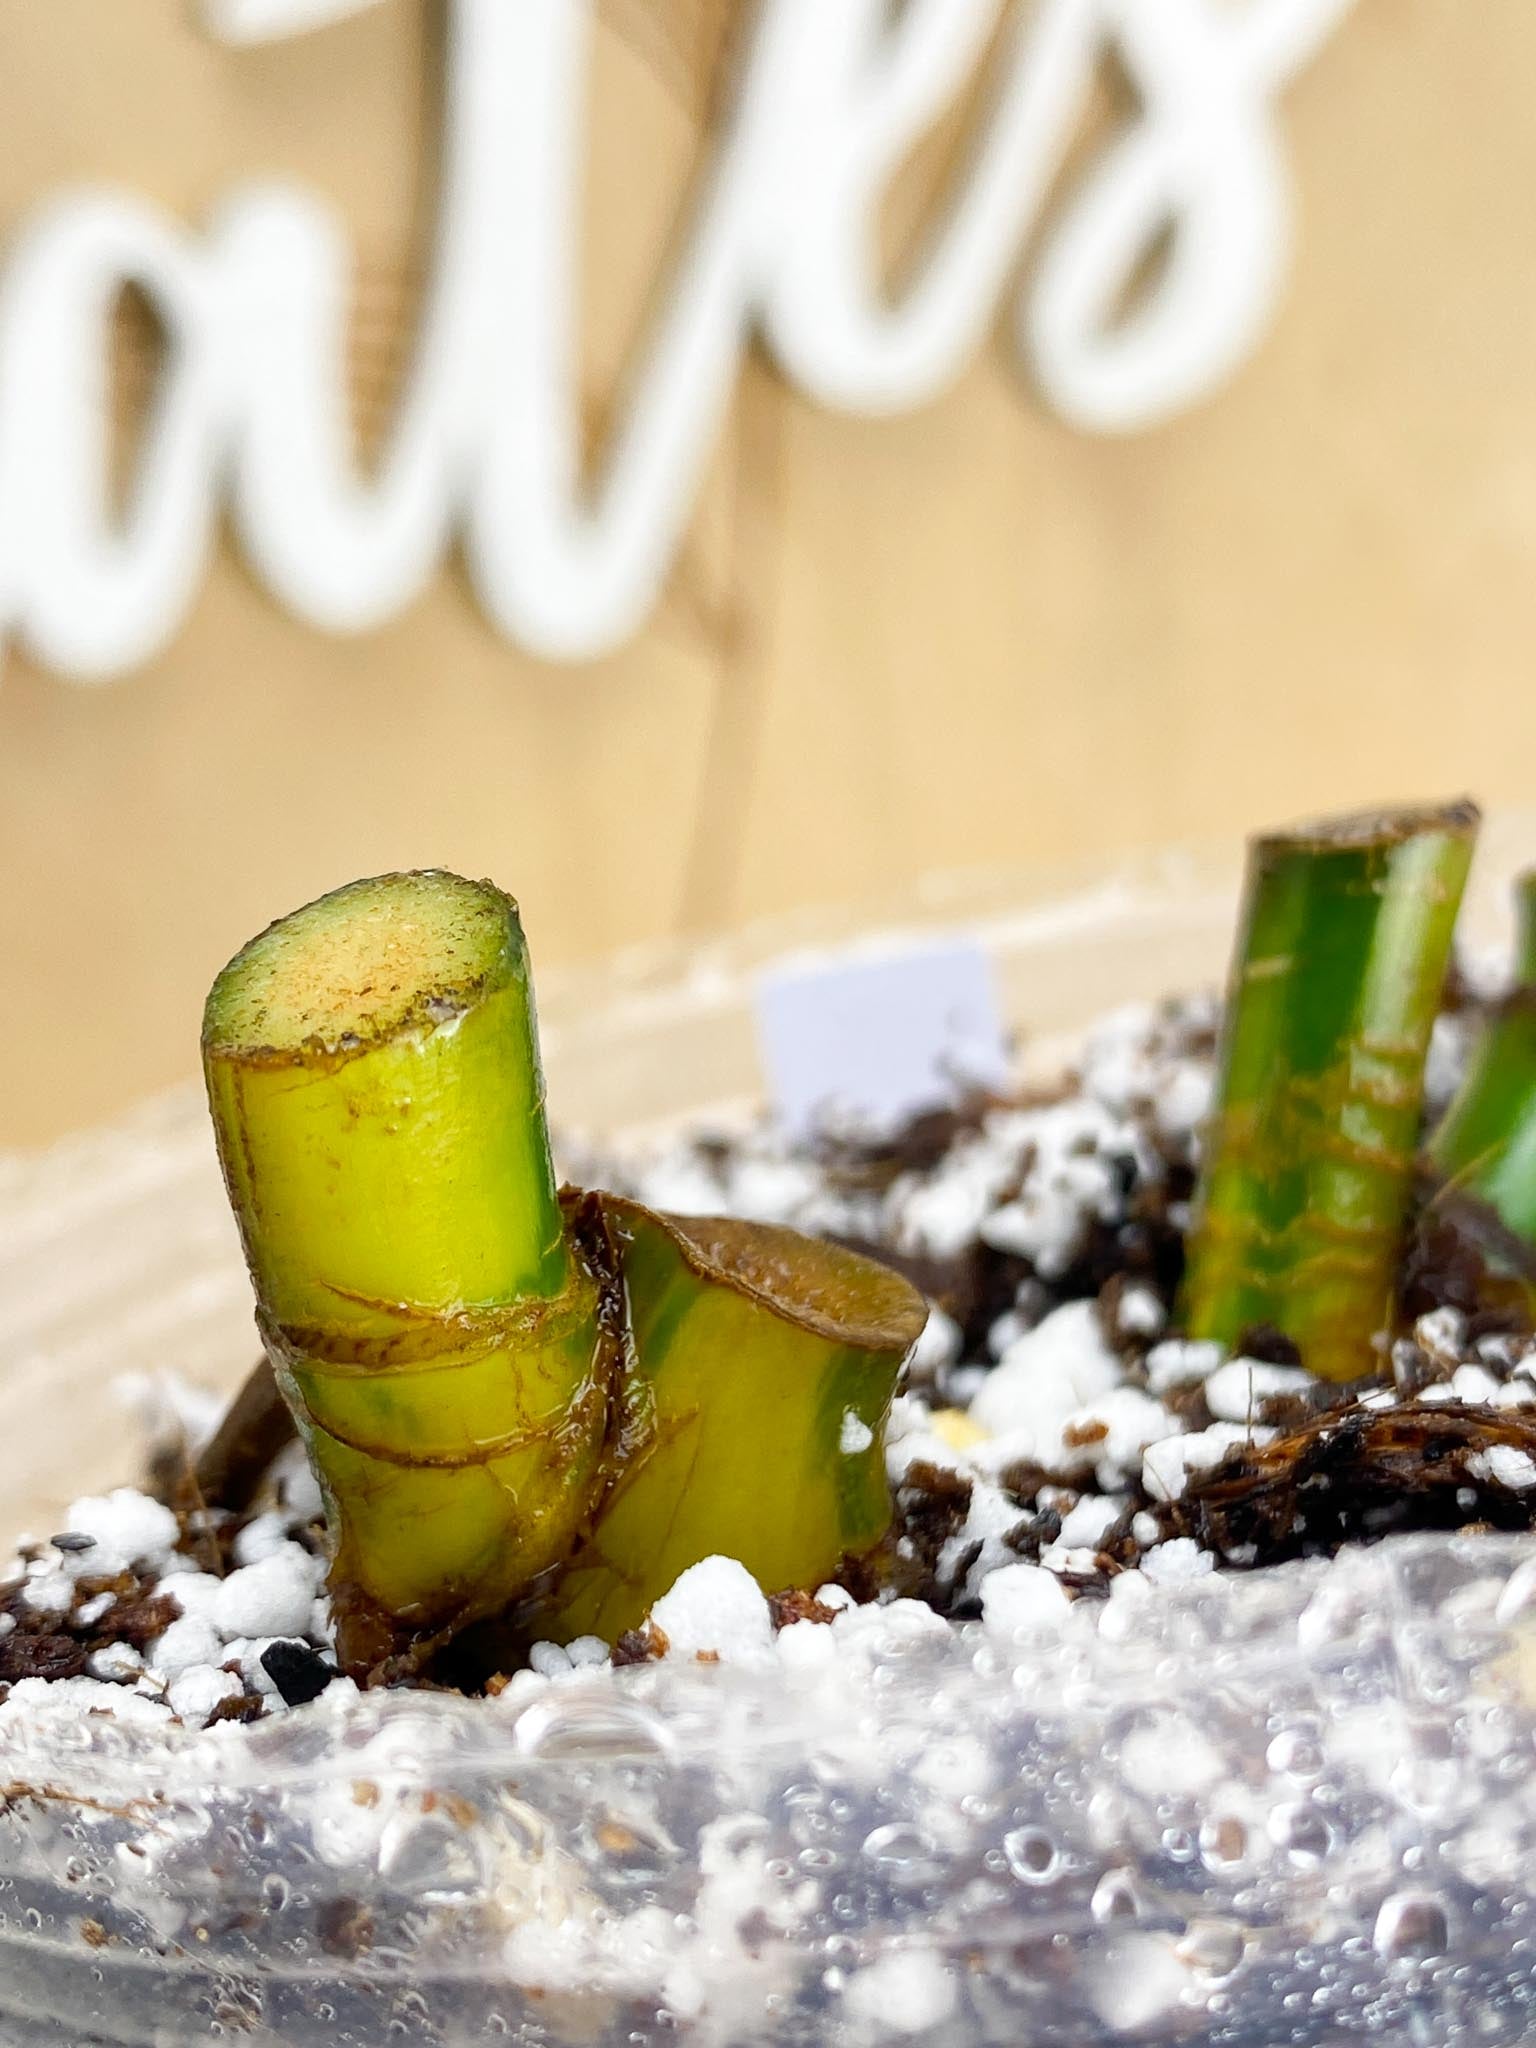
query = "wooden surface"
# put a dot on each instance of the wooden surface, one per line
(963, 637)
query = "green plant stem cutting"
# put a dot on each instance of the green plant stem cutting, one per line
(1311, 1151)
(492, 1379)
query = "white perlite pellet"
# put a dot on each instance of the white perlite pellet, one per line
(940, 1343)
(1236, 1389)
(1091, 1520)
(127, 1528)
(1176, 1562)
(806, 1647)
(1506, 1466)
(1071, 1564)
(1020, 1598)
(855, 1435)
(1140, 1982)
(116, 1661)
(48, 1592)
(716, 1606)
(297, 1487)
(193, 1696)
(1047, 1374)
(1167, 1755)
(1184, 1099)
(272, 1598)
(1474, 1384)
(990, 1520)
(195, 1593)
(1181, 1362)
(1167, 1465)
(1140, 1313)
(261, 1538)
(1441, 1333)
(1109, 1436)
(908, 1991)
(184, 1646)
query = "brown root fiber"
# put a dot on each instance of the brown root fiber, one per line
(1358, 1475)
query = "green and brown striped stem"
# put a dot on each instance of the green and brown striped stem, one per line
(1484, 1152)
(763, 1369)
(1309, 1162)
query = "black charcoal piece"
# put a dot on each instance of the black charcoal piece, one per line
(299, 1673)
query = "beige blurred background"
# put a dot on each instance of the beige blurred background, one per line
(967, 637)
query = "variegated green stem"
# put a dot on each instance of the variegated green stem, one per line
(763, 1367)
(1337, 977)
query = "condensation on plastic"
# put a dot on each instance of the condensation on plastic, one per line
(1296, 1807)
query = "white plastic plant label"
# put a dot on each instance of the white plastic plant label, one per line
(873, 1035)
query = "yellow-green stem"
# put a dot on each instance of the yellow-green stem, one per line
(374, 1077)
(763, 1367)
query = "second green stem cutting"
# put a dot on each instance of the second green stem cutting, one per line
(1311, 1154)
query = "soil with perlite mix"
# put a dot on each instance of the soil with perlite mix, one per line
(1056, 1439)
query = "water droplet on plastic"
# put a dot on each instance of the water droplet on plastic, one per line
(1303, 1832)
(1223, 1841)
(1429, 1785)
(1518, 1599)
(903, 1855)
(1032, 1855)
(1412, 1927)
(188, 1819)
(1212, 1948)
(590, 1727)
(1114, 1897)
(629, 1849)
(432, 1857)
(1337, 1615)
(1294, 1755)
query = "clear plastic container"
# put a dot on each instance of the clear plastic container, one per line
(1291, 1808)
(1294, 1808)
